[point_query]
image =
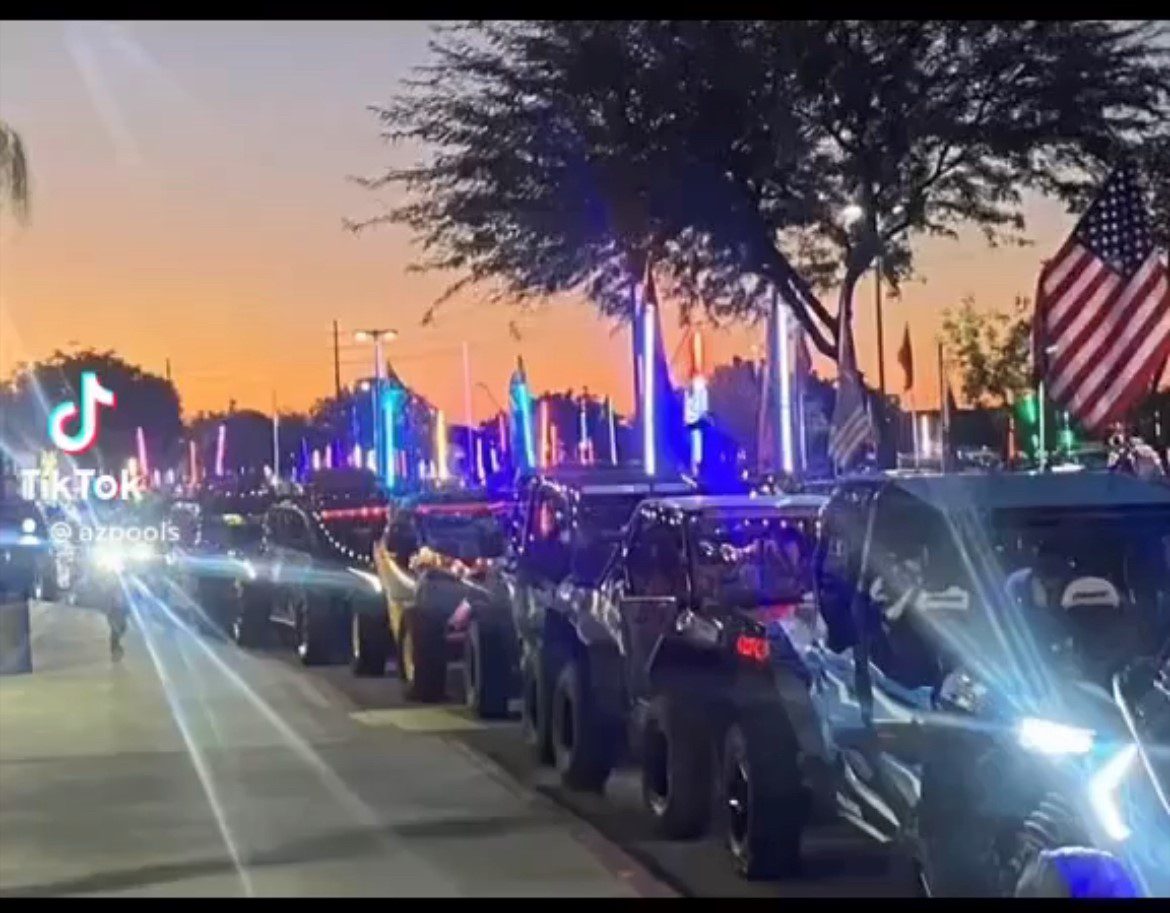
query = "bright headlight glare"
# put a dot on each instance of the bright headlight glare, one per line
(109, 559)
(140, 551)
(28, 526)
(1051, 738)
(1103, 793)
(371, 580)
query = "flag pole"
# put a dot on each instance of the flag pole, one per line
(944, 411)
(914, 430)
(801, 430)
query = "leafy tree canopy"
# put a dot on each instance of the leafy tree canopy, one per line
(560, 156)
(992, 349)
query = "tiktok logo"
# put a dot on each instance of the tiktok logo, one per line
(93, 394)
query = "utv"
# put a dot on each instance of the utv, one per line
(701, 583)
(214, 563)
(969, 686)
(437, 562)
(573, 519)
(317, 564)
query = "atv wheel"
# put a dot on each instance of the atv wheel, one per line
(486, 678)
(584, 741)
(763, 803)
(370, 640)
(676, 769)
(422, 657)
(313, 629)
(537, 700)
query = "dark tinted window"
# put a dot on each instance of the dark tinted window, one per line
(749, 561)
(466, 538)
(655, 563)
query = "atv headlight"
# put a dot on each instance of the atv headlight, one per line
(1103, 789)
(1048, 737)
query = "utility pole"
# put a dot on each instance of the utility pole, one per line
(275, 439)
(336, 363)
(168, 370)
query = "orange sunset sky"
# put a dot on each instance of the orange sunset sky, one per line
(189, 186)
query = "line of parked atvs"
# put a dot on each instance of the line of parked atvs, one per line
(972, 669)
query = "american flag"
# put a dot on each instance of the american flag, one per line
(1102, 324)
(852, 425)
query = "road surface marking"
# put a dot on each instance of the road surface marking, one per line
(418, 719)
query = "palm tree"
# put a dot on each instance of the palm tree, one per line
(14, 186)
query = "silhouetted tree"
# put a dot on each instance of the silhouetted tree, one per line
(560, 155)
(143, 399)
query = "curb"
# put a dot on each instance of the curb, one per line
(612, 857)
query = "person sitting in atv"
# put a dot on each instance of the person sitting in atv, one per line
(906, 643)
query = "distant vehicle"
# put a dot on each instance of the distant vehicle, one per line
(966, 701)
(316, 565)
(216, 560)
(572, 519)
(112, 563)
(438, 561)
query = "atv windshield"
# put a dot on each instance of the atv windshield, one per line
(465, 538)
(1091, 587)
(601, 522)
(748, 562)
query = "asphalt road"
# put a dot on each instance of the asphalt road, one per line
(838, 861)
(193, 768)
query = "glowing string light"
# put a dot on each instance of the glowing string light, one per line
(441, 445)
(543, 454)
(143, 465)
(193, 470)
(389, 421)
(784, 373)
(583, 433)
(220, 449)
(649, 449)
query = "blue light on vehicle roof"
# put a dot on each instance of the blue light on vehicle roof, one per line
(649, 454)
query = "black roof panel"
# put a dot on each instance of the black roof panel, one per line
(1021, 491)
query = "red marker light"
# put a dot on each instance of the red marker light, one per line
(753, 648)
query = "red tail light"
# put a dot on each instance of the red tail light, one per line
(753, 648)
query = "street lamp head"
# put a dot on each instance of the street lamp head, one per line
(373, 335)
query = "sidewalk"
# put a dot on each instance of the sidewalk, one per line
(193, 768)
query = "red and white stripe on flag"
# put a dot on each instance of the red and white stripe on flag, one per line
(1103, 309)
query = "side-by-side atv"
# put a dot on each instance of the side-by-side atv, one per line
(983, 698)
(317, 564)
(437, 563)
(572, 520)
